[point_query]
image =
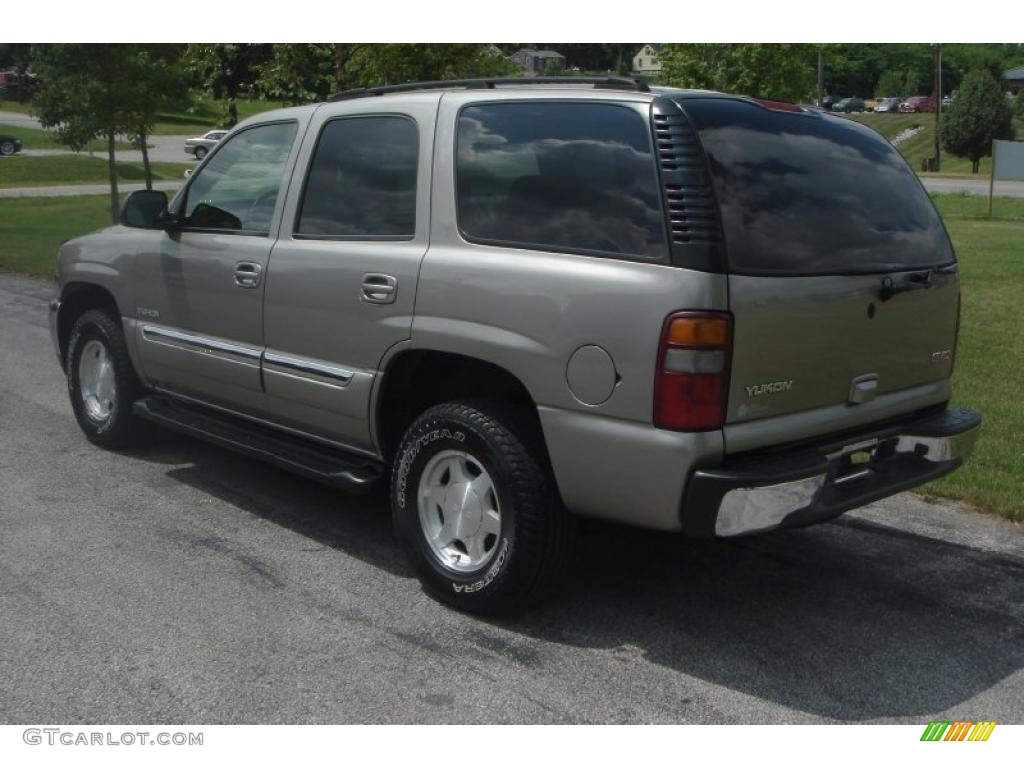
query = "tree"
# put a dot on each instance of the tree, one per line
(227, 71)
(83, 96)
(891, 83)
(979, 114)
(781, 71)
(157, 84)
(392, 63)
(298, 73)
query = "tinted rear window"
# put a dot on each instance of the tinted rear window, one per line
(576, 177)
(805, 194)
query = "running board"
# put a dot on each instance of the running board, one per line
(319, 462)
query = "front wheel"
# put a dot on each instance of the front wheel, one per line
(475, 507)
(102, 383)
(7, 148)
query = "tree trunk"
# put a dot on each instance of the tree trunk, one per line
(342, 55)
(145, 160)
(232, 113)
(975, 165)
(112, 171)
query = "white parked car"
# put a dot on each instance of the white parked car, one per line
(203, 144)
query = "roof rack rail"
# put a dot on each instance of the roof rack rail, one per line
(612, 83)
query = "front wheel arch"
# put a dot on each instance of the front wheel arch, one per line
(76, 299)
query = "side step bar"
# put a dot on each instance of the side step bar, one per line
(319, 462)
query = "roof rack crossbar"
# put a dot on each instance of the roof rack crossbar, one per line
(612, 83)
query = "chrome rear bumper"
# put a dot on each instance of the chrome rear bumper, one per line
(761, 492)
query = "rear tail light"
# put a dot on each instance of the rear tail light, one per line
(691, 384)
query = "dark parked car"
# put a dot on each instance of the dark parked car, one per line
(918, 104)
(828, 102)
(9, 145)
(852, 104)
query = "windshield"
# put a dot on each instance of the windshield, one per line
(808, 193)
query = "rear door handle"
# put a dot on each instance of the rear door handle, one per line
(247, 274)
(379, 288)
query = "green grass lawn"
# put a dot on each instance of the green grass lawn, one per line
(35, 138)
(204, 115)
(14, 106)
(990, 356)
(922, 145)
(20, 171)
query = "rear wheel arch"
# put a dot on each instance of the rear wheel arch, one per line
(415, 380)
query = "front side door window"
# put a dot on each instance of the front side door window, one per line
(236, 190)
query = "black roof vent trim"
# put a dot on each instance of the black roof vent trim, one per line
(691, 209)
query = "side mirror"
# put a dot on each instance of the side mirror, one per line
(145, 209)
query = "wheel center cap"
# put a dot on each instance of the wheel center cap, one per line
(463, 502)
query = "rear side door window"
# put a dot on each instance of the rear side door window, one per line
(362, 181)
(576, 177)
(237, 188)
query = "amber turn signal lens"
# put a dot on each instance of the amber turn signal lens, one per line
(699, 332)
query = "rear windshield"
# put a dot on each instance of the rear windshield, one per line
(807, 194)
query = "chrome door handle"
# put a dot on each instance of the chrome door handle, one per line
(379, 288)
(247, 274)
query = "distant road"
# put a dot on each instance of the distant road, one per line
(70, 190)
(977, 186)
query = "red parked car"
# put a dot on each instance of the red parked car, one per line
(918, 104)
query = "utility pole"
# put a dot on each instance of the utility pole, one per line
(937, 90)
(821, 77)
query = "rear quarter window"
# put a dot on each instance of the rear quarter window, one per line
(806, 194)
(560, 176)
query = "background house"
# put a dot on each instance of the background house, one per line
(539, 62)
(1014, 79)
(646, 61)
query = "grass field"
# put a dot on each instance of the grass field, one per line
(35, 138)
(202, 116)
(19, 171)
(921, 145)
(990, 357)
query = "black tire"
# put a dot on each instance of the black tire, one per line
(120, 428)
(201, 152)
(7, 148)
(534, 546)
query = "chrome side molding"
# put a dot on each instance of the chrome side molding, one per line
(307, 366)
(161, 335)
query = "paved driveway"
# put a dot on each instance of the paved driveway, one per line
(180, 583)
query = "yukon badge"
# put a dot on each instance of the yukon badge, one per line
(770, 388)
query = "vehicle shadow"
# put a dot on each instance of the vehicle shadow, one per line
(849, 620)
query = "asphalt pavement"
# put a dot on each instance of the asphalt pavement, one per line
(179, 583)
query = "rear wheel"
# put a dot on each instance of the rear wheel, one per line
(200, 153)
(7, 148)
(102, 383)
(476, 510)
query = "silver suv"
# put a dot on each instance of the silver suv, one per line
(521, 301)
